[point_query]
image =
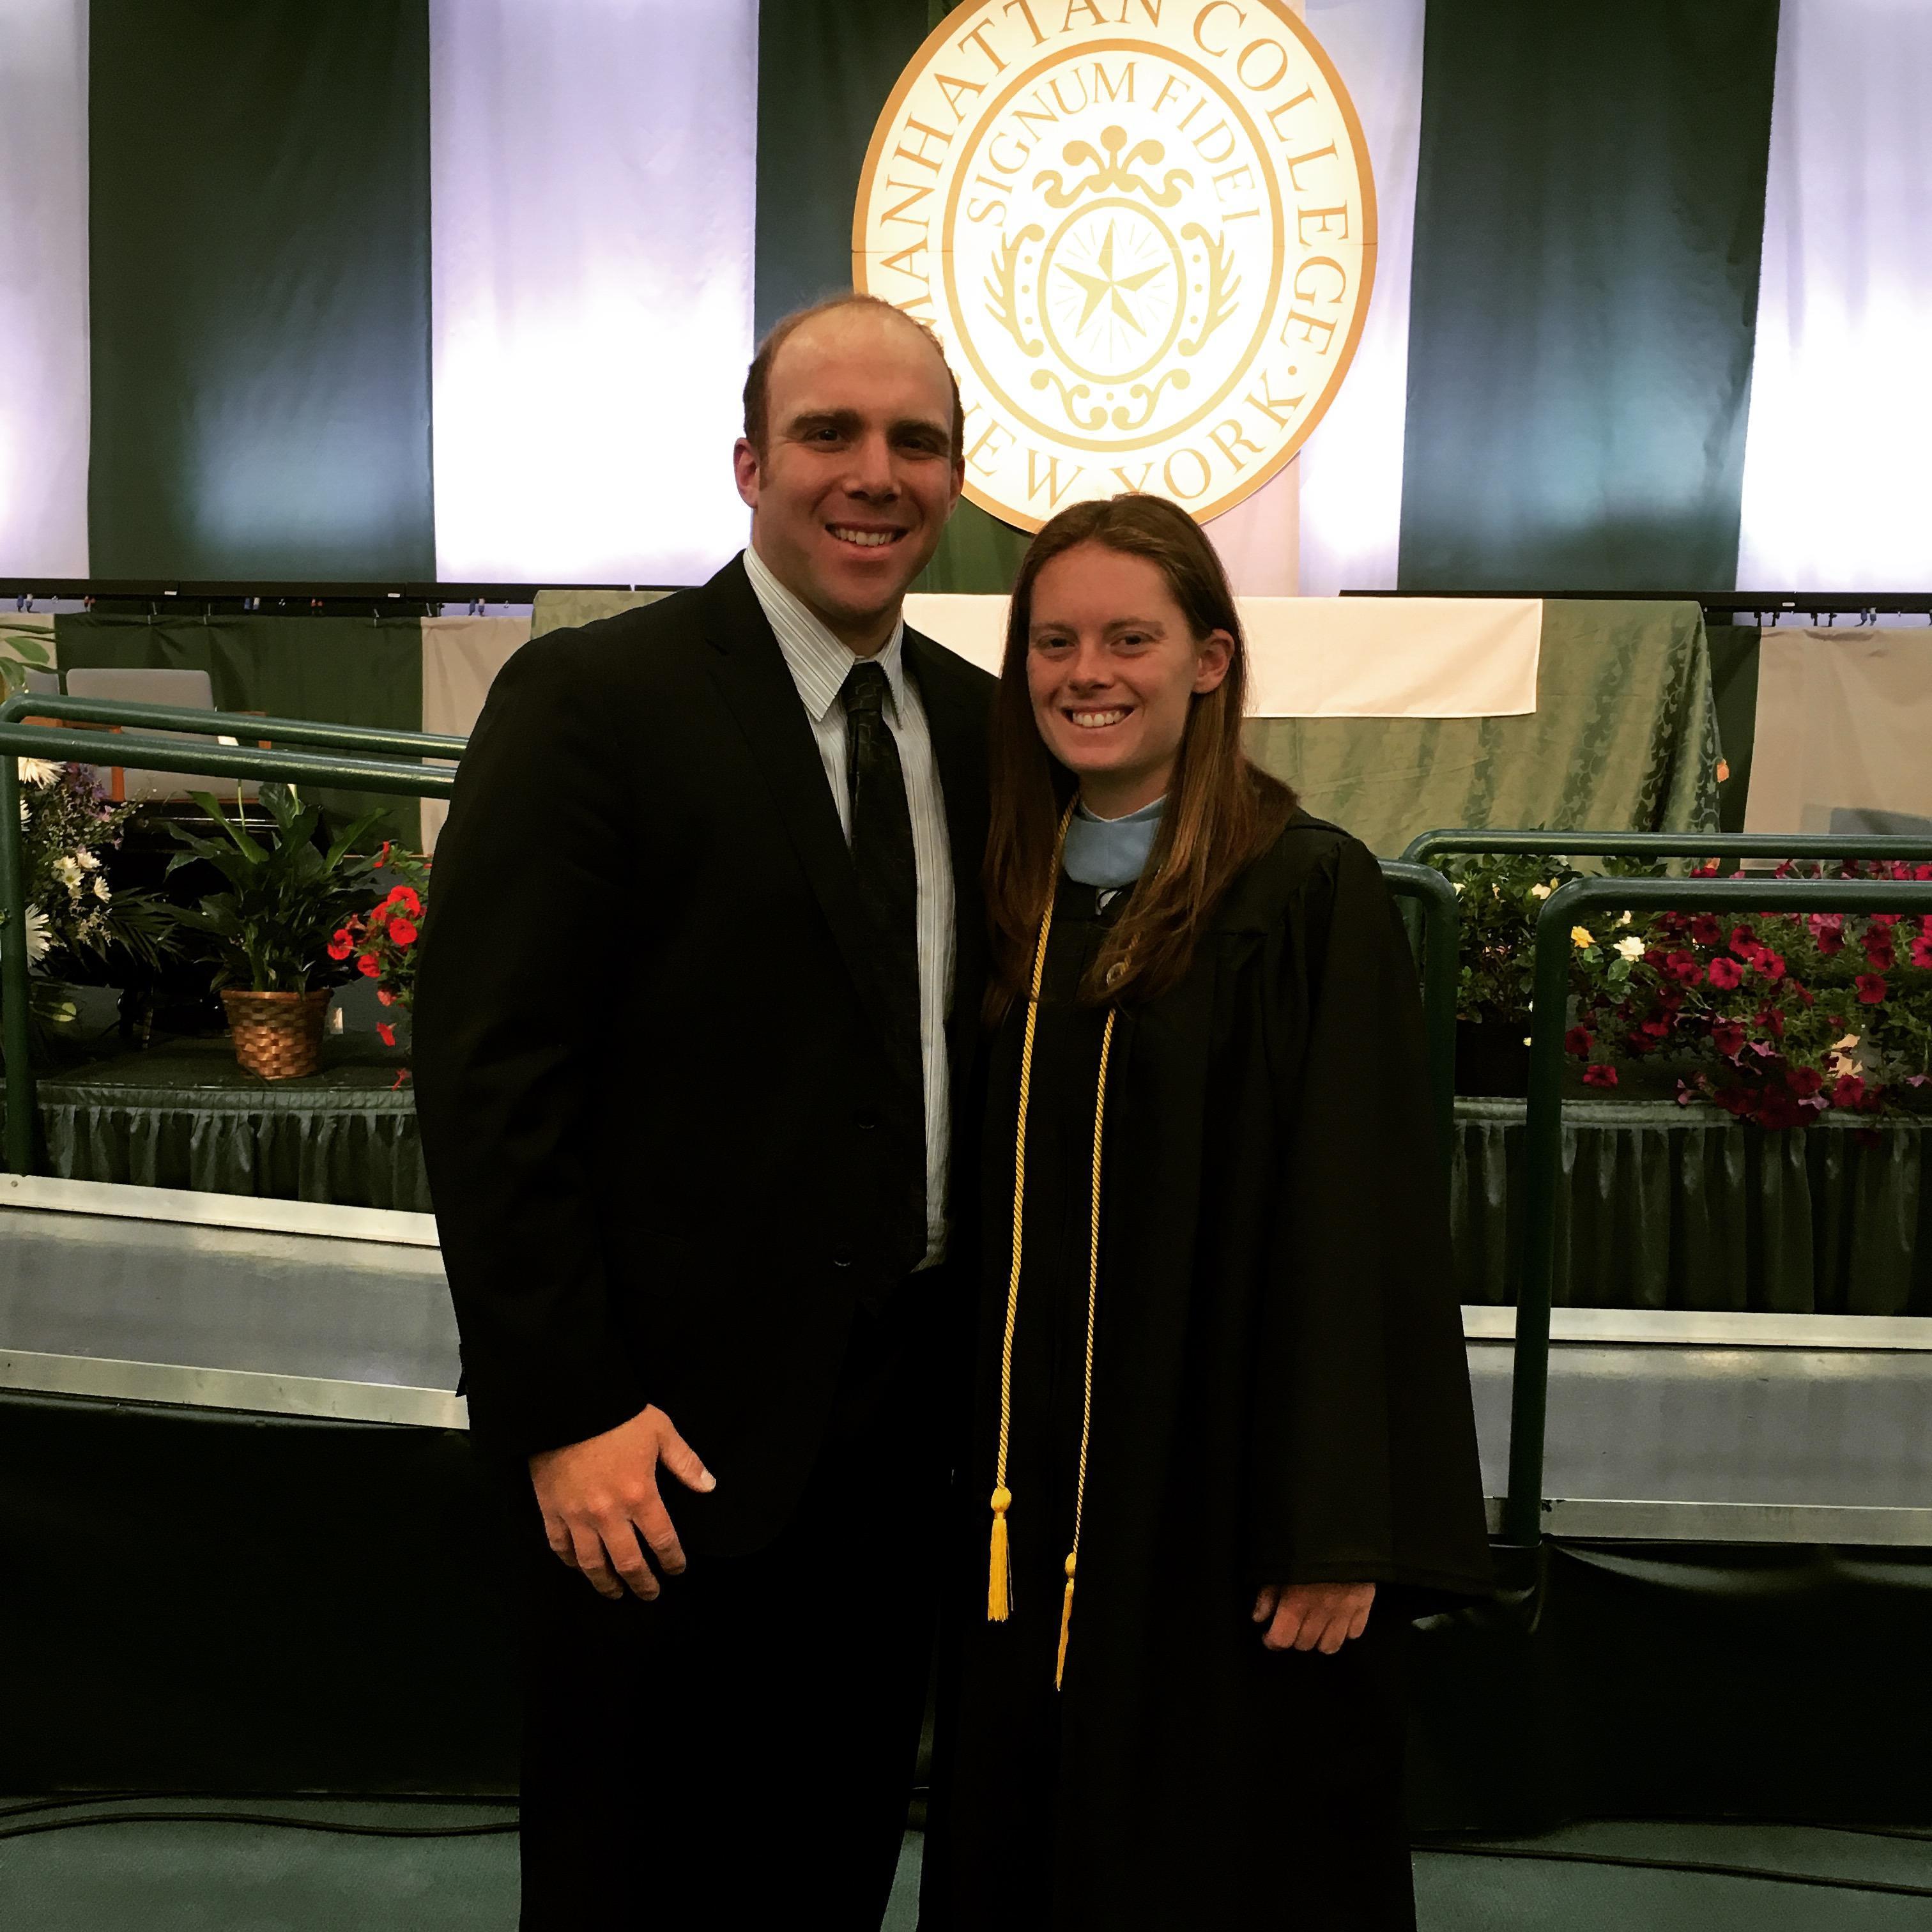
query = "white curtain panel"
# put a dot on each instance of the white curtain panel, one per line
(1836, 456)
(43, 345)
(1352, 466)
(592, 212)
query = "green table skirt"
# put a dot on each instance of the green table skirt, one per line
(1664, 1207)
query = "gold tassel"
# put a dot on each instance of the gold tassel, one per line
(1065, 1624)
(999, 1577)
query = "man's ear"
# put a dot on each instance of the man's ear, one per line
(745, 468)
(958, 483)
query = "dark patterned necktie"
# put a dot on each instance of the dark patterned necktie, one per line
(882, 854)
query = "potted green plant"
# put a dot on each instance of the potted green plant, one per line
(269, 935)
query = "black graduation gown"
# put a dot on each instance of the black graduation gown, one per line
(1280, 1396)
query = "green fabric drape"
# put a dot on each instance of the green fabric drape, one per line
(1663, 1206)
(1734, 689)
(1623, 737)
(343, 670)
(1588, 215)
(259, 240)
(839, 59)
(1670, 1207)
(185, 1115)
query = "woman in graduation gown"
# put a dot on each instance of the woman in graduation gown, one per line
(1221, 1408)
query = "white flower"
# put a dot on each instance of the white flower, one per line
(38, 772)
(87, 862)
(1625, 920)
(1456, 885)
(1631, 948)
(69, 869)
(100, 888)
(37, 935)
(1541, 892)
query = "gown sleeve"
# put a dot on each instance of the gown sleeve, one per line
(1364, 1457)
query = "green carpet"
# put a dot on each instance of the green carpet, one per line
(198, 1876)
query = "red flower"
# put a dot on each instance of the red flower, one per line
(405, 896)
(1885, 918)
(1577, 1041)
(1600, 1075)
(1728, 1037)
(1770, 963)
(1871, 989)
(1708, 870)
(1878, 950)
(1725, 973)
(386, 1033)
(1744, 941)
(1922, 953)
(1848, 1090)
(402, 932)
(1771, 1021)
(387, 998)
(1828, 931)
(1804, 1080)
(1655, 1027)
(368, 966)
(1707, 930)
(341, 944)
(1734, 1099)
(1682, 966)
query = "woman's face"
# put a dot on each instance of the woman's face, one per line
(1110, 667)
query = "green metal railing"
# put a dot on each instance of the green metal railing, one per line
(1523, 1509)
(140, 751)
(1471, 838)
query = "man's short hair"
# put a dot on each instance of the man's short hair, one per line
(758, 379)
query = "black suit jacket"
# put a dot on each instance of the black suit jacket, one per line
(646, 1071)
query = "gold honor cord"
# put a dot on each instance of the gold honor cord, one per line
(999, 1580)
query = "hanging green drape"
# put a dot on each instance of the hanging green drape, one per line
(260, 287)
(1588, 222)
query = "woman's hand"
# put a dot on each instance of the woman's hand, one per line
(1312, 1616)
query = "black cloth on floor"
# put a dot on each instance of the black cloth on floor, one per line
(1281, 1395)
(741, 1751)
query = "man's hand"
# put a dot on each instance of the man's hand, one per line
(599, 1496)
(1313, 1616)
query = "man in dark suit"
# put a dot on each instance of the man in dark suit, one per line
(694, 1005)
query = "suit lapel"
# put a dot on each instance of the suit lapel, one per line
(757, 685)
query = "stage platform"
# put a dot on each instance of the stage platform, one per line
(250, 1548)
(1663, 1425)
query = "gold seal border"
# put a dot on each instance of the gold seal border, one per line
(936, 42)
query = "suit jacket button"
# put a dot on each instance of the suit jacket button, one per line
(842, 1257)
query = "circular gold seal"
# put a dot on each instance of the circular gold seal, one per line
(1145, 231)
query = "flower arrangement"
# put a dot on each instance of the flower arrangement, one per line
(383, 939)
(76, 921)
(1499, 894)
(1791, 1015)
(270, 931)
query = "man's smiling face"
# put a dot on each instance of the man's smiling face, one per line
(858, 473)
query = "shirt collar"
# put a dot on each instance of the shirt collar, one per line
(818, 662)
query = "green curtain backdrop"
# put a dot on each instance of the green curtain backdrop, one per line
(825, 68)
(1587, 237)
(259, 191)
(1624, 738)
(344, 671)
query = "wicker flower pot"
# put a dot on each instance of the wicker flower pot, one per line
(277, 1035)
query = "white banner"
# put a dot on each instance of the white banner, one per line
(44, 338)
(1835, 495)
(1336, 657)
(592, 212)
(1352, 466)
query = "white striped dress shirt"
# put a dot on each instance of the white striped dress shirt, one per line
(819, 665)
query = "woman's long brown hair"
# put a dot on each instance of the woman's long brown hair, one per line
(1221, 810)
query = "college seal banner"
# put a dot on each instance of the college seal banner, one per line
(1145, 231)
